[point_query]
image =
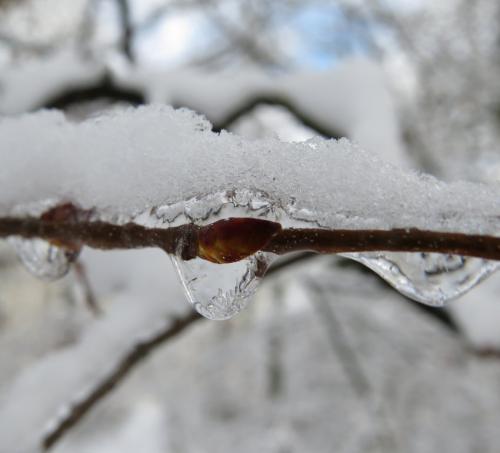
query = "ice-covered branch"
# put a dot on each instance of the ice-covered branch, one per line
(157, 177)
(102, 235)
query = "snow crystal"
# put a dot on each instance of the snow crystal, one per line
(133, 159)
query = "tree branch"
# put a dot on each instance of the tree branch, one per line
(126, 29)
(105, 88)
(132, 358)
(186, 239)
(269, 99)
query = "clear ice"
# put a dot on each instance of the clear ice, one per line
(219, 291)
(430, 278)
(42, 259)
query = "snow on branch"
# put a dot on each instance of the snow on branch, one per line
(124, 163)
(159, 177)
(341, 103)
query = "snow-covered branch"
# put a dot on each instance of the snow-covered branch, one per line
(157, 177)
(254, 235)
(137, 353)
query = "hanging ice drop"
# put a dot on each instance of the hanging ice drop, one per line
(49, 260)
(220, 282)
(431, 278)
(220, 291)
(43, 259)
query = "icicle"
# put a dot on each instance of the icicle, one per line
(430, 278)
(43, 259)
(220, 291)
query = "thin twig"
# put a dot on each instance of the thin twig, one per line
(104, 88)
(103, 235)
(88, 293)
(127, 30)
(108, 89)
(248, 105)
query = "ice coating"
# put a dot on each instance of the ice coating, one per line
(159, 167)
(134, 159)
(220, 291)
(42, 259)
(430, 278)
(217, 291)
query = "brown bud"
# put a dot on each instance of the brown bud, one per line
(234, 239)
(64, 213)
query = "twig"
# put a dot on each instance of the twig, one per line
(103, 235)
(247, 106)
(88, 293)
(126, 29)
(104, 88)
(131, 359)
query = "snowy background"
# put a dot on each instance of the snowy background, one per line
(327, 357)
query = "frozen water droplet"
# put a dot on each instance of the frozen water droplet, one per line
(42, 259)
(430, 278)
(220, 291)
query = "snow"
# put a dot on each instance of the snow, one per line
(28, 84)
(133, 159)
(211, 391)
(143, 430)
(142, 294)
(353, 97)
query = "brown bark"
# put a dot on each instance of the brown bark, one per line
(184, 239)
